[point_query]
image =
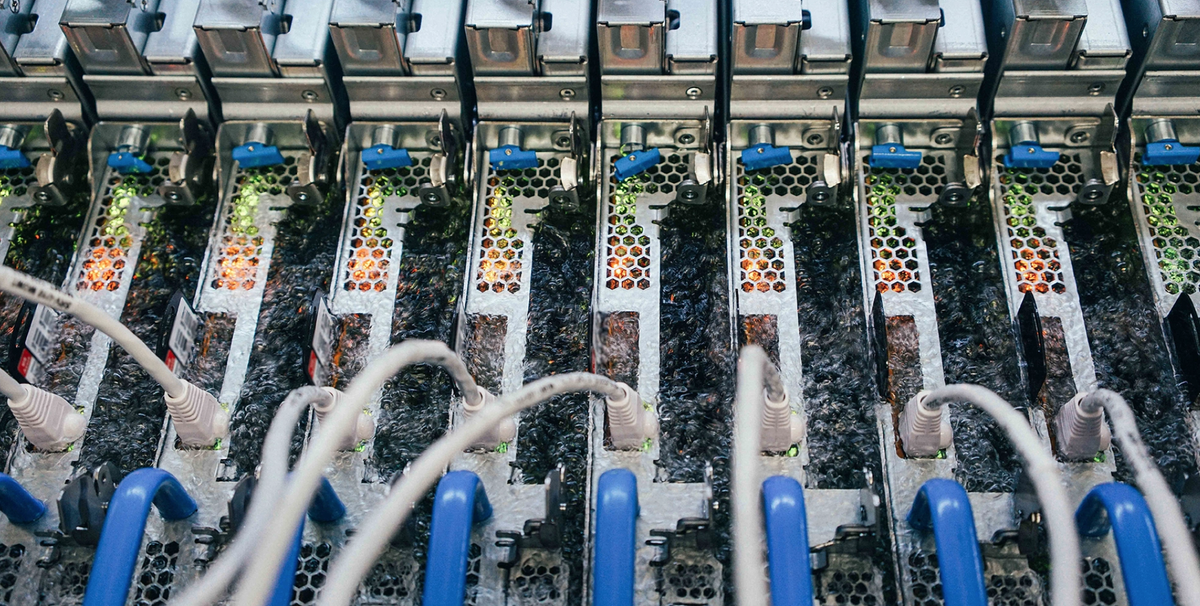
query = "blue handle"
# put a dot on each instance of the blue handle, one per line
(942, 505)
(127, 163)
(787, 542)
(460, 502)
(17, 504)
(616, 539)
(12, 158)
(326, 507)
(763, 156)
(511, 157)
(893, 155)
(1169, 153)
(1028, 154)
(636, 163)
(1122, 507)
(254, 154)
(385, 156)
(121, 537)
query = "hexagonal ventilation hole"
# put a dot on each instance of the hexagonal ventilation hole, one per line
(393, 580)
(500, 249)
(540, 578)
(310, 573)
(241, 245)
(1035, 256)
(65, 582)
(690, 580)
(474, 563)
(369, 258)
(11, 558)
(627, 247)
(153, 584)
(1176, 246)
(110, 237)
(894, 254)
(1098, 583)
(921, 184)
(16, 181)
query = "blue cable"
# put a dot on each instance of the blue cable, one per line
(616, 539)
(124, 525)
(325, 508)
(460, 502)
(942, 506)
(1122, 508)
(787, 542)
(17, 504)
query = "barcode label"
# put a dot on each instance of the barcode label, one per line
(40, 340)
(183, 332)
(322, 340)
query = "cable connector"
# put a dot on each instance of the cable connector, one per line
(198, 417)
(504, 431)
(925, 430)
(47, 420)
(780, 428)
(630, 423)
(1080, 430)
(364, 426)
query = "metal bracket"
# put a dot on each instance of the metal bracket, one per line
(702, 167)
(81, 510)
(56, 170)
(436, 190)
(1028, 512)
(314, 175)
(538, 533)
(190, 171)
(689, 533)
(572, 169)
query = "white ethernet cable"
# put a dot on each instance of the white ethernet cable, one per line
(198, 418)
(1057, 514)
(756, 375)
(276, 533)
(272, 478)
(47, 420)
(1172, 530)
(359, 555)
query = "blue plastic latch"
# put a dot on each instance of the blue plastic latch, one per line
(385, 156)
(12, 158)
(763, 156)
(255, 154)
(1169, 153)
(893, 155)
(511, 157)
(1028, 154)
(636, 163)
(127, 163)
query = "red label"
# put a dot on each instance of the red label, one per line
(171, 360)
(312, 364)
(24, 363)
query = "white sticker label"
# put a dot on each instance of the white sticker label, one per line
(183, 332)
(322, 343)
(40, 340)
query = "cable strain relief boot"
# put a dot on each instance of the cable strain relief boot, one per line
(47, 420)
(925, 430)
(780, 428)
(364, 425)
(504, 431)
(198, 417)
(629, 423)
(1080, 433)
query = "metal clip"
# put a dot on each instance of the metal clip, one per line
(540, 533)
(56, 170)
(436, 189)
(572, 170)
(689, 533)
(313, 175)
(82, 507)
(190, 170)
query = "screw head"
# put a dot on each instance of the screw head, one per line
(693, 92)
(1169, 147)
(689, 194)
(302, 197)
(687, 139)
(438, 93)
(957, 90)
(55, 94)
(820, 195)
(1079, 137)
(564, 141)
(183, 94)
(567, 93)
(508, 152)
(1096, 88)
(815, 139)
(42, 195)
(309, 95)
(943, 139)
(825, 92)
(432, 197)
(173, 195)
(435, 141)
